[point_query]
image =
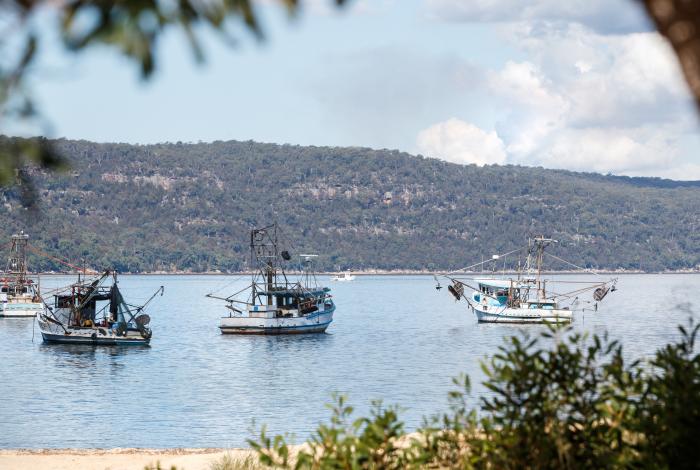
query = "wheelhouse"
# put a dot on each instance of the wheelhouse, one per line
(286, 303)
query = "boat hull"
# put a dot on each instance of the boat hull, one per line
(95, 341)
(315, 323)
(96, 336)
(522, 315)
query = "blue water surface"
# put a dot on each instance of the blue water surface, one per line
(394, 338)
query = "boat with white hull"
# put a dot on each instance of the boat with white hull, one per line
(93, 312)
(525, 298)
(343, 277)
(19, 295)
(270, 324)
(277, 305)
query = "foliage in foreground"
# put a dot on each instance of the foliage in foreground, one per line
(227, 462)
(560, 400)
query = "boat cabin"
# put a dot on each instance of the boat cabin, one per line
(492, 291)
(15, 286)
(88, 309)
(504, 292)
(14, 290)
(288, 303)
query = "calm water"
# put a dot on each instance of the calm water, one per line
(393, 337)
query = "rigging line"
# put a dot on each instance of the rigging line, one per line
(448, 273)
(236, 278)
(57, 290)
(572, 264)
(583, 289)
(555, 281)
(286, 238)
(58, 260)
(93, 291)
(472, 288)
(568, 295)
(237, 293)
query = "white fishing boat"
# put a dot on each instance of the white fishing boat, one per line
(343, 277)
(526, 297)
(274, 304)
(93, 311)
(19, 295)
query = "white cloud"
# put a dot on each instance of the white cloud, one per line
(461, 142)
(585, 101)
(536, 109)
(625, 79)
(638, 151)
(606, 16)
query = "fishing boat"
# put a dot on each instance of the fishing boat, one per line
(19, 295)
(93, 311)
(343, 277)
(527, 297)
(273, 303)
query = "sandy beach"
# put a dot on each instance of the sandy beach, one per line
(116, 459)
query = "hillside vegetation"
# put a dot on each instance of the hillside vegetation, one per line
(191, 206)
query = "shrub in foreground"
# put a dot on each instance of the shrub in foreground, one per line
(558, 400)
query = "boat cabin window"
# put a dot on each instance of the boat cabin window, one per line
(4, 289)
(543, 305)
(88, 313)
(494, 291)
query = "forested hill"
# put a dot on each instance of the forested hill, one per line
(191, 206)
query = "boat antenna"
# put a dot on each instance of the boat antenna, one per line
(306, 260)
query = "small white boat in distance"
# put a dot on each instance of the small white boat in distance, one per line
(343, 277)
(277, 305)
(19, 295)
(524, 298)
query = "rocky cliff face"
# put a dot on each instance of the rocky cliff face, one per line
(190, 207)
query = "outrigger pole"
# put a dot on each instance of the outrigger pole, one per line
(535, 248)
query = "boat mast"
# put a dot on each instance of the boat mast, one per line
(17, 263)
(270, 272)
(270, 266)
(263, 253)
(540, 244)
(252, 263)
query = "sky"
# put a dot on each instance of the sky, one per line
(584, 85)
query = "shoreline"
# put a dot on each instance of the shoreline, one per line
(379, 273)
(119, 458)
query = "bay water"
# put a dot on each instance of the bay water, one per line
(394, 338)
